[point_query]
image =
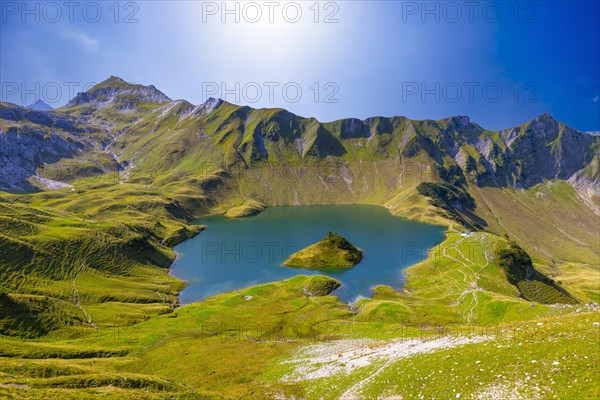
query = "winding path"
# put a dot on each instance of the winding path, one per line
(74, 296)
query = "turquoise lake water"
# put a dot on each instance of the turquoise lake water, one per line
(233, 254)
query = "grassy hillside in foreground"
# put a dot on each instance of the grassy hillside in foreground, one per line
(547, 358)
(245, 344)
(62, 267)
(216, 347)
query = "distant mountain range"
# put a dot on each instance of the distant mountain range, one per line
(118, 112)
(40, 105)
(218, 150)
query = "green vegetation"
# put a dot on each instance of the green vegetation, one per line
(333, 251)
(533, 285)
(245, 344)
(454, 200)
(546, 358)
(80, 259)
(198, 351)
(248, 209)
(461, 281)
(88, 309)
(554, 227)
(515, 261)
(210, 339)
(321, 286)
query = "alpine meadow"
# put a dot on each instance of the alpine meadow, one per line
(153, 248)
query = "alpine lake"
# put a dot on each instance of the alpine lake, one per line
(232, 254)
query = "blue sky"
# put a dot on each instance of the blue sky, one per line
(501, 63)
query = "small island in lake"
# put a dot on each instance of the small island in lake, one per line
(333, 251)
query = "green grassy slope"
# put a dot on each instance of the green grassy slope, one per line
(243, 344)
(463, 281)
(85, 268)
(547, 358)
(87, 308)
(554, 226)
(234, 337)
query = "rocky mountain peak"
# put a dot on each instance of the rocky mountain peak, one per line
(116, 90)
(459, 121)
(113, 79)
(545, 116)
(544, 126)
(212, 103)
(208, 106)
(544, 119)
(40, 105)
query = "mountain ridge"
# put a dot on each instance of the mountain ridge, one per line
(116, 82)
(141, 128)
(40, 105)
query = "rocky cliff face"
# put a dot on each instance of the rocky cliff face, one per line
(115, 91)
(543, 149)
(139, 123)
(22, 151)
(30, 139)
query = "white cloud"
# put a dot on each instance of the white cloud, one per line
(81, 38)
(596, 98)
